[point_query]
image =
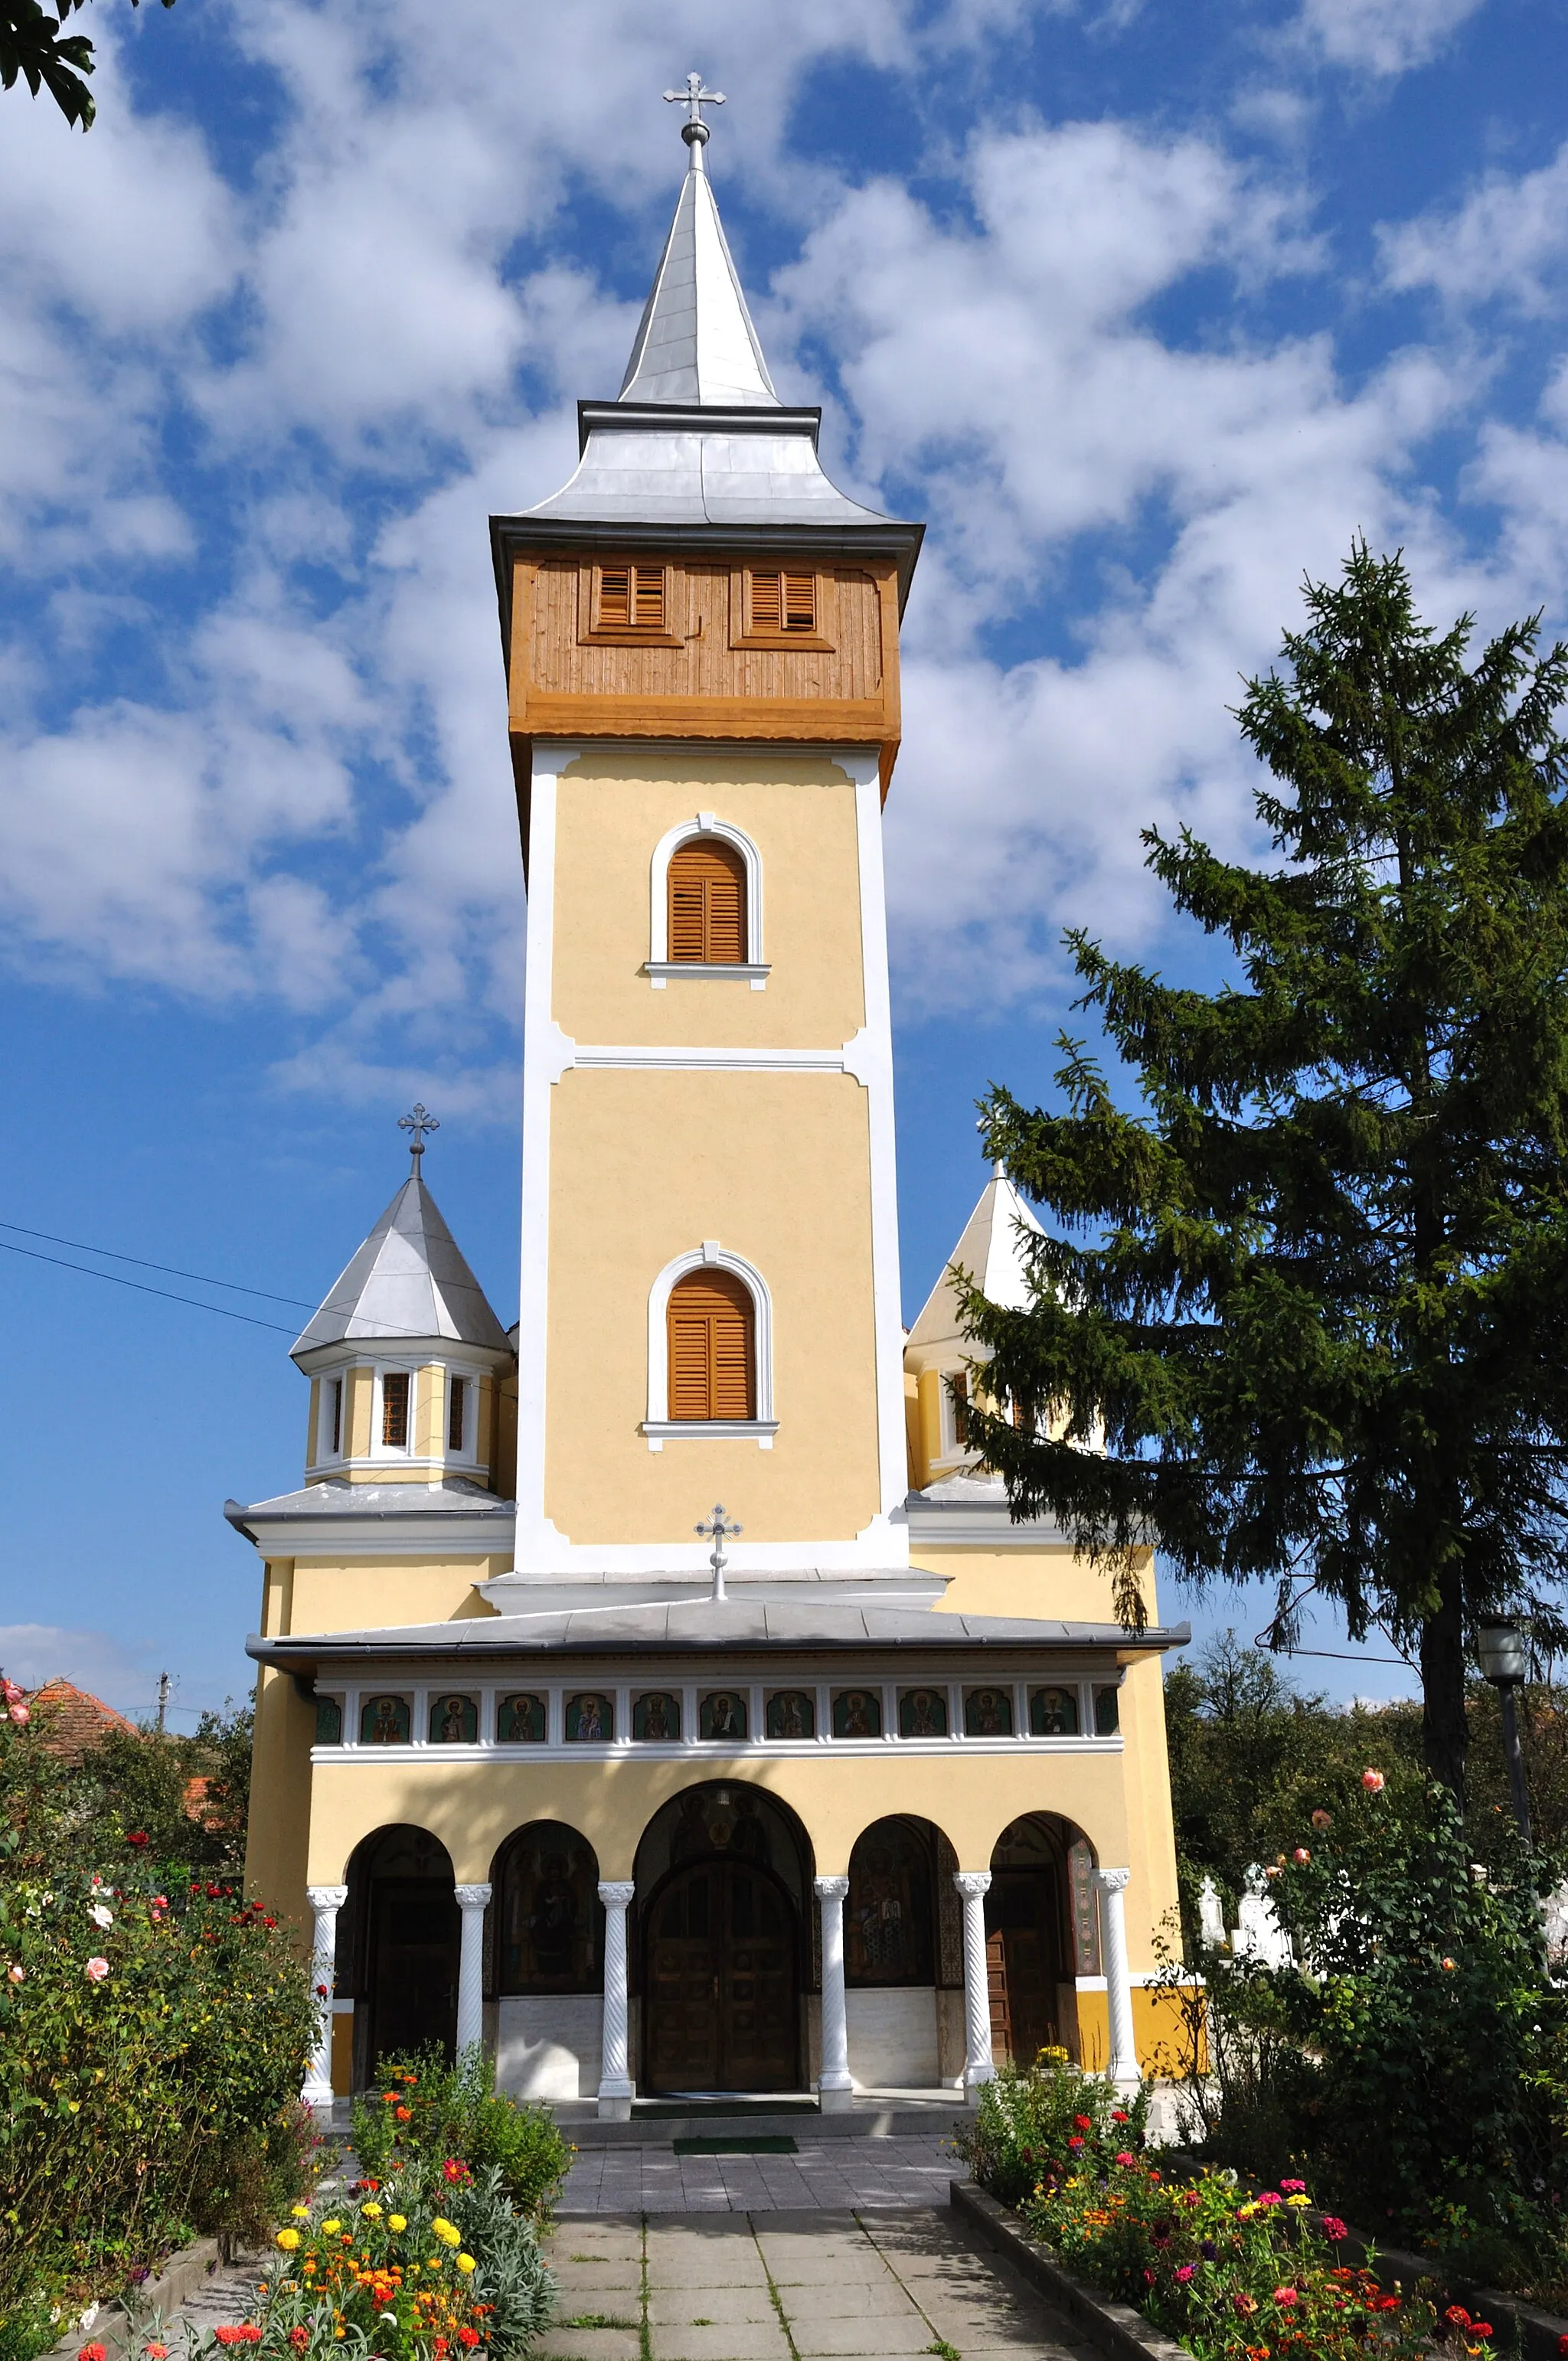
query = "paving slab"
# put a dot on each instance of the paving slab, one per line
(709, 2307)
(739, 2340)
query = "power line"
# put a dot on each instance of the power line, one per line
(115, 1280)
(170, 1270)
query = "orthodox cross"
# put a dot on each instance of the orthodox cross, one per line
(718, 1531)
(694, 98)
(419, 1123)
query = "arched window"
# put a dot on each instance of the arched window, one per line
(707, 901)
(550, 1937)
(711, 1326)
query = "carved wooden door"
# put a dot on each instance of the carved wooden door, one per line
(721, 2007)
(414, 1935)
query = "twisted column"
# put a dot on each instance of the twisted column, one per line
(1124, 2067)
(616, 2090)
(834, 2085)
(473, 1901)
(325, 1900)
(973, 1885)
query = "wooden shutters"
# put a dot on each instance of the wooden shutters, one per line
(711, 1327)
(783, 601)
(456, 1409)
(630, 598)
(706, 892)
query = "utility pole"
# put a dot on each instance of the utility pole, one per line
(162, 1701)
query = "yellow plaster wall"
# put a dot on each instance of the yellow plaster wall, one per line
(335, 1596)
(277, 1836)
(644, 1166)
(799, 811)
(1050, 1581)
(1158, 2031)
(472, 1807)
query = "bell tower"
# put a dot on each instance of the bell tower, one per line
(701, 639)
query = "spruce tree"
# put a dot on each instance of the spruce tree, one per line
(1305, 1315)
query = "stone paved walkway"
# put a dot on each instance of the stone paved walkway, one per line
(827, 2285)
(832, 2172)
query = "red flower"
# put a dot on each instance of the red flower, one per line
(1481, 2328)
(468, 2336)
(1126, 2157)
(138, 1836)
(93, 2353)
(321, 1991)
(1118, 2114)
(1084, 2123)
(248, 2335)
(155, 2352)
(1456, 2316)
(1335, 2229)
(403, 2114)
(298, 2337)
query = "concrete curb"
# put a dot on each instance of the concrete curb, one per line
(116, 2326)
(1114, 2327)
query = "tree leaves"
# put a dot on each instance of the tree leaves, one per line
(35, 45)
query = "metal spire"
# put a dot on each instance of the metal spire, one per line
(694, 130)
(419, 1123)
(719, 1532)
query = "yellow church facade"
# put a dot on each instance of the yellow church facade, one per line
(849, 1784)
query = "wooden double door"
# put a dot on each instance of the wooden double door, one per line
(721, 1986)
(1024, 1958)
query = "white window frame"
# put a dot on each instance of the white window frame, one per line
(659, 1426)
(659, 967)
(379, 1450)
(467, 1452)
(325, 1456)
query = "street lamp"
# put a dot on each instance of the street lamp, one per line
(1500, 1645)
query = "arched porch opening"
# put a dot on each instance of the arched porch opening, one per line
(1042, 1933)
(904, 1961)
(722, 1943)
(397, 1947)
(546, 1966)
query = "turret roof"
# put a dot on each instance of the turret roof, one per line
(695, 341)
(408, 1280)
(992, 1249)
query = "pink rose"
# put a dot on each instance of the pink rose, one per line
(1184, 2272)
(20, 1716)
(1372, 1781)
(97, 1970)
(1321, 1819)
(1126, 2157)
(1301, 1856)
(1286, 2297)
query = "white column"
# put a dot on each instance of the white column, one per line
(1124, 2067)
(616, 2090)
(974, 1884)
(326, 1901)
(834, 2087)
(473, 1902)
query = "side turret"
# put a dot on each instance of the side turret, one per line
(407, 1363)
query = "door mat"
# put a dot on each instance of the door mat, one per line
(761, 2144)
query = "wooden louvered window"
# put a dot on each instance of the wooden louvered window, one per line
(783, 602)
(630, 598)
(336, 1395)
(712, 1347)
(456, 1412)
(395, 1410)
(706, 892)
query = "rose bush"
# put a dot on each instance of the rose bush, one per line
(154, 2038)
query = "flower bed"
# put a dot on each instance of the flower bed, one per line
(1232, 2278)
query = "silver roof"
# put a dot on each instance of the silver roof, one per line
(406, 1282)
(697, 434)
(695, 341)
(324, 1503)
(722, 1626)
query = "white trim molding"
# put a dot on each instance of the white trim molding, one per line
(660, 966)
(658, 1425)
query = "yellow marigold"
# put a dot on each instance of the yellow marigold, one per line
(300, 2213)
(330, 2228)
(397, 2221)
(288, 2240)
(465, 2264)
(447, 2232)
(371, 2211)
(1297, 2200)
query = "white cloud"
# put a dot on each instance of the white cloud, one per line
(1508, 242)
(31, 1654)
(1383, 37)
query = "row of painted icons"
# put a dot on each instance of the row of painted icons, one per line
(722, 1715)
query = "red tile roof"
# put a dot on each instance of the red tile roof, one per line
(73, 1718)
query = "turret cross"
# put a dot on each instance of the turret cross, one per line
(718, 1532)
(694, 98)
(418, 1122)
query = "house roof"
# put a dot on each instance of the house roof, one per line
(76, 1720)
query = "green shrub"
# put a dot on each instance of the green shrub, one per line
(425, 2108)
(154, 2041)
(1413, 2063)
(1023, 2120)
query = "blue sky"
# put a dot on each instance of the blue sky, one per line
(1147, 308)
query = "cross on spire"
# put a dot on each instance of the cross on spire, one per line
(694, 98)
(418, 1122)
(716, 1530)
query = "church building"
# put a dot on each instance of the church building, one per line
(850, 1784)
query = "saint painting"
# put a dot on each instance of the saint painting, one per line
(549, 1912)
(857, 1713)
(657, 1719)
(792, 1713)
(723, 1715)
(988, 1713)
(922, 1713)
(1053, 1713)
(590, 1718)
(454, 1721)
(520, 1720)
(384, 1721)
(887, 1919)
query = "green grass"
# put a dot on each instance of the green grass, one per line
(944, 2351)
(598, 2319)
